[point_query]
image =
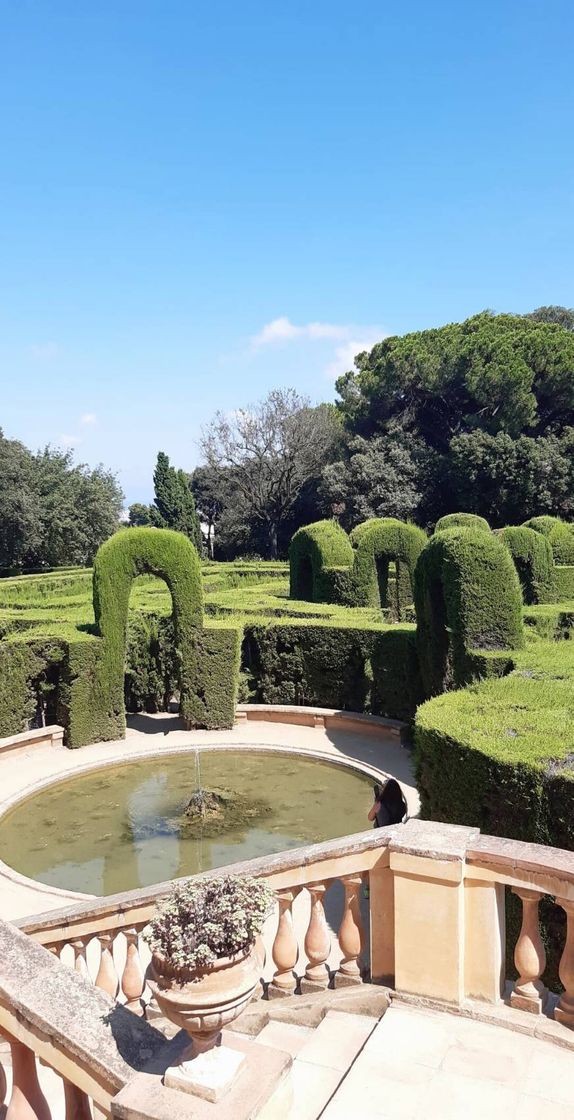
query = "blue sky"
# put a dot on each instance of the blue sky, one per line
(200, 201)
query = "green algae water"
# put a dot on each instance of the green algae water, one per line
(124, 826)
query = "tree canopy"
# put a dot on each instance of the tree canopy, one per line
(53, 512)
(495, 373)
(270, 452)
(483, 412)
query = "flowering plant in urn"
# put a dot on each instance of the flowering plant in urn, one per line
(205, 965)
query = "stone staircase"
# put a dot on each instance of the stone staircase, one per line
(321, 1056)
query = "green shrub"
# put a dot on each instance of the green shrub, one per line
(461, 521)
(397, 686)
(19, 666)
(212, 691)
(543, 524)
(561, 540)
(564, 581)
(313, 550)
(323, 666)
(378, 543)
(119, 560)
(533, 561)
(560, 534)
(500, 755)
(467, 597)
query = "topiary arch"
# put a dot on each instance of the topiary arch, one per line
(533, 561)
(208, 660)
(318, 554)
(461, 521)
(467, 598)
(377, 543)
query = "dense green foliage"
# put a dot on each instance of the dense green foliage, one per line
(52, 511)
(461, 520)
(467, 597)
(314, 551)
(174, 505)
(172, 557)
(315, 665)
(476, 415)
(377, 544)
(533, 560)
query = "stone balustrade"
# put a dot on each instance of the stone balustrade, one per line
(419, 907)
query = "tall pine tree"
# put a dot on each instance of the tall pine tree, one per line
(174, 500)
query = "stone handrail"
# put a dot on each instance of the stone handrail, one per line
(48, 1011)
(435, 929)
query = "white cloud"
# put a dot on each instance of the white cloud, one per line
(70, 441)
(351, 339)
(283, 330)
(88, 418)
(44, 351)
(345, 354)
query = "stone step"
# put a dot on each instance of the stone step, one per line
(322, 1058)
(310, 1010)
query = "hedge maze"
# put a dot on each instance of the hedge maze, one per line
(481, 661)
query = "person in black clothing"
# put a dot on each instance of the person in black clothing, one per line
(389, 806)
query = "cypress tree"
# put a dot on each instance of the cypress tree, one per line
(174, 500)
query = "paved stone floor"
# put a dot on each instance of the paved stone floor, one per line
(410, 1065)
(422, 1065)
(22, 769)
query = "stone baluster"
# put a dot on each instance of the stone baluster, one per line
(27, 1101)
(564, 1012)
(317, 942)
(351, 934)
(529, 993)
(80, 964)
(77, 1103)
(133, 980)
(107, 978)
(3, 1087)
(285, 950)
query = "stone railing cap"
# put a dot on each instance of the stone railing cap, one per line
(433, 840)
(63, 1006)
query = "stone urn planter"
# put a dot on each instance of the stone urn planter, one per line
(206, 963)
(204, 1000)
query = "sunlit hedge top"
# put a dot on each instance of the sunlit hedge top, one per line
(461, 520)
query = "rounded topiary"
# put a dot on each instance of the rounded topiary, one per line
(533, 561)
(133, 552)
(543, 524)
(560, 534)
(561, 540)
(461, 521)
(379, 542)
(317, 553)
(467, 597)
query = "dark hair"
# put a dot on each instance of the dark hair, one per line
(394, 801)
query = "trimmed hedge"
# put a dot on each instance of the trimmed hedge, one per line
(467, 597)
(314, 549)
(534, 563)
(561, 539)
(118, 561)
(461, 521)
(397, 688)
(323, 666)
(560, 534)
(564, 582)
(500, 755)
(19, 666)
(377, 543)
(543, 524)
